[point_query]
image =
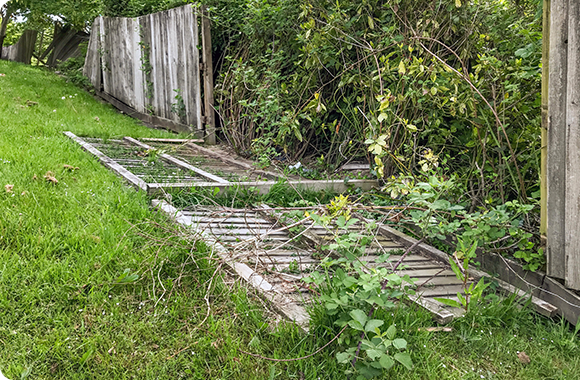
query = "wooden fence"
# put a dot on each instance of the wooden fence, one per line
(22, 50)
(563, 153)
(151, 66)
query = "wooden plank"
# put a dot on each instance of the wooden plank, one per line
(572, 180)
(556, 160)
(179, 162)
(262, 187)
(92, 67)
(170, 141)
(440, 313)
(104, 53)
(108, 162)
(544, 113)
(568, 303)
(138, 74)
(207, 77)
(193, 72)
(231, 161)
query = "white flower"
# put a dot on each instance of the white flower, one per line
(63, 98)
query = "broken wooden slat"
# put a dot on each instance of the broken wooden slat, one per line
(170, 141)
(179, 162)
(110, 163)
(441, 314)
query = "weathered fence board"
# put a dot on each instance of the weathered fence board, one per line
(572, 234)
(563, 161)
(150, 64)
(23, 49)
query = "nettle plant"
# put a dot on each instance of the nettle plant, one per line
(355, 291)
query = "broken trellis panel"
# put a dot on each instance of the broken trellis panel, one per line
(563, 160)
(151, 169)
(149, 67)
(260, 248)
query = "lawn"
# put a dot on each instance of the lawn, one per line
(95, 285)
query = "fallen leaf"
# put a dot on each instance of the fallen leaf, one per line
(30, 103)
(49, 176)
(23, 193)
(34, 177)
(524, 358)
(70, 167)
(97, 119)
(9, 188)
(2, 75)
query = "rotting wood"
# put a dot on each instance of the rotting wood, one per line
(179, 162)
(110, 163)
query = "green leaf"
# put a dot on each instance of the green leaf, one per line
(349, 281)
(331, 306)
(373, 354)
(373, 324)
(455, 269)
(356, 325)
(402, 69)
(359, 316)
(405, 359)
(386, 362)
(448, 302)
(400, 344)
(343, 357)
(391, 331)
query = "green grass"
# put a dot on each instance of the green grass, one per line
(67, 312)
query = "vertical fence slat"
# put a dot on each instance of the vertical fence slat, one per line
(138, 74)
(573, 148)
(556, 160)
(208, 77)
